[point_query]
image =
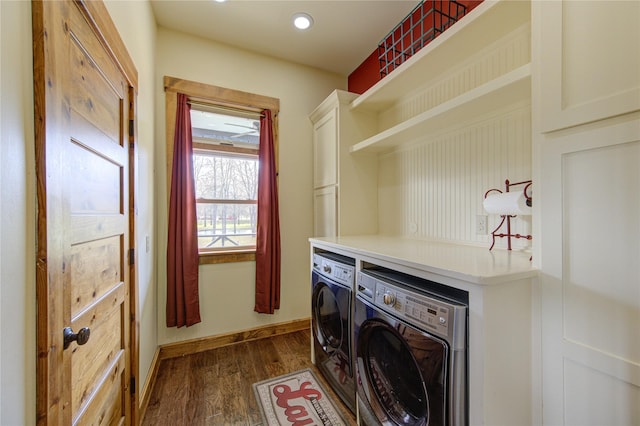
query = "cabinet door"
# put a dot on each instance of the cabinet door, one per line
(590, 61)
(325, 219)
(590, 236)
(325, 145)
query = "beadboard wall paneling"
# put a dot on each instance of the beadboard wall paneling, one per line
(434, 189)
(495, 60)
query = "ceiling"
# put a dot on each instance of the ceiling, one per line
(344, 34)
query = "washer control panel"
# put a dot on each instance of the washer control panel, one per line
(334, 269)
(429, 312)
(419, 303)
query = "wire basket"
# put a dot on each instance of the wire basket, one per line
(423, 24)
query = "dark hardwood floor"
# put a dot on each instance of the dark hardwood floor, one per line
(215, 387)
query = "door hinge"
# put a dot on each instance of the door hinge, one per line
(131, 128)
(132, 385)
(132, 256)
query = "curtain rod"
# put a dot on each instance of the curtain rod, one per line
(246, 112)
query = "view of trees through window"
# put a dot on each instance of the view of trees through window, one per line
(225, 166)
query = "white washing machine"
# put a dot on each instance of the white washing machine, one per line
(410, 351)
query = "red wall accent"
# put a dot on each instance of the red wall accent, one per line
(368, 72)
(366, 75)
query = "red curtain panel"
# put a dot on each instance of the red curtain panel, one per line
(183, 305)
(268, 232)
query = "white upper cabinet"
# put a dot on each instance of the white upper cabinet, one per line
(590, 65)
(325, 147)
(345, 188)
(479, 65)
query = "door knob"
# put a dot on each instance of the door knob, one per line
(81, 337)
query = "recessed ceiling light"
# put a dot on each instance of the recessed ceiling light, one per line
(220, 1)
(302, 21)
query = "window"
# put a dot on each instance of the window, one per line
(225, 128)
(225, 167)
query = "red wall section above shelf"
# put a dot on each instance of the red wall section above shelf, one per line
(368, 73)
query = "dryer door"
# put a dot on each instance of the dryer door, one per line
(402, 372)
(329, 318)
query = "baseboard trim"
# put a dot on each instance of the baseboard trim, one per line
(172, 350)
(145, 393)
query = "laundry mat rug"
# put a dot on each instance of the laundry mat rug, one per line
(296, 399)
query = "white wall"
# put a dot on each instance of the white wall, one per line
(227, 290)
(0, 211)
(137, 28)
(17, 217)
(434, 189)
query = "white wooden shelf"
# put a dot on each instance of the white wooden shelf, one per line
(488, 22)
(507, 89)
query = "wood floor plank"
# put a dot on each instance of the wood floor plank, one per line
(215, 387)
(271, 358)
(227, 364)
(252, 372)
(296, 354)
(212, 404)
(232, 402)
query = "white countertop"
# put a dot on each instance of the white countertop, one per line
(476, 265)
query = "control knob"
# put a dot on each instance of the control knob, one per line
(389, 298)
(327, 269)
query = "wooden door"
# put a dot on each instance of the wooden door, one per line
(84, 99)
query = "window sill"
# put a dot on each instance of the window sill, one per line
(212, 258)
